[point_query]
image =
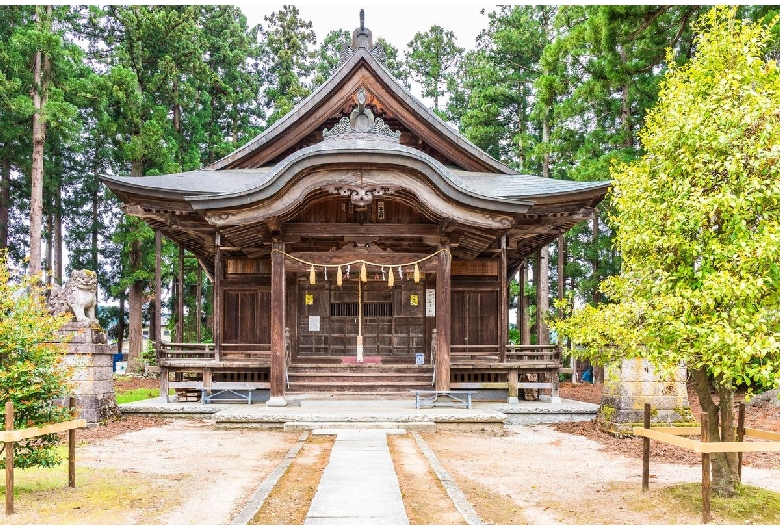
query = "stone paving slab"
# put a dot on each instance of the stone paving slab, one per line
(359, 485)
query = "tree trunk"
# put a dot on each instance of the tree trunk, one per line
(625, 114)
(725, 476)
(41, 67)
(95, 220)
(56, 269)
(120, 327)
(135, 304)
(5, 199)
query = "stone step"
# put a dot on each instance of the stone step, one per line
(419, 426)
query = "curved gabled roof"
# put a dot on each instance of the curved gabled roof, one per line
(415, 116)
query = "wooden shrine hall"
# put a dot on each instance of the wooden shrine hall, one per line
(359, 244)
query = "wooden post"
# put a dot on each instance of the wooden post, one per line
(522, 307)
(512, 395)
(217, 305)
(9, 460)
(740, 436)
(561, 273)
(705, 471)
(198, 306)
(157, 294)
(443, 318)
(158, 314)
(180, 298)
(503, 328)
(72, 445)
(543, 296)
(646, 452)
(278, 306)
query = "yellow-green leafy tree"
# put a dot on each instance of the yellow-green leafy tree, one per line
(32, 372)
(698, 228)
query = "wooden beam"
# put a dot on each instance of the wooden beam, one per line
(443, 319)
(522, 307)
(368, 230)
(278, 307)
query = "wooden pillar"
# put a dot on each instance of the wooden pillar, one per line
(503, 328)
(158, 314)
(512, 386)
(278, 307)
(542, 295)
(217, 305)
(522, 307)
(561, 272)
(443, 318)
(198, 305)
(180, 299)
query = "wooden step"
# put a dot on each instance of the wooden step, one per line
(357, 386)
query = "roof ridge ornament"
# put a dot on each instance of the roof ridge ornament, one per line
(362, 38)
(361, 124)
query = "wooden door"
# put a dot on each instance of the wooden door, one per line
(247, 317)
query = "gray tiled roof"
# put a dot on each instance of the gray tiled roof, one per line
(216, 185)
(523, 186)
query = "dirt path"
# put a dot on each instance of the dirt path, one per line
(558, 478)
(214, 471)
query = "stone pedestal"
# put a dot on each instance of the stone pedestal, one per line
(634, 382)
(91, 358)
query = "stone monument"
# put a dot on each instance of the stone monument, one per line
(86, 349)
(630, 384)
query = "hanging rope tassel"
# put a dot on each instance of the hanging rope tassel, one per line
(312, 276)
(339, 277)
(390, 278)
(416, 274)
(363, 274)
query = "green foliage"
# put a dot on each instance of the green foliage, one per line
(431, 58)
(698, 219)
(32, 370)
(137, 394)
(287, 60)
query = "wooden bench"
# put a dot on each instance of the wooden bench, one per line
(422, 397)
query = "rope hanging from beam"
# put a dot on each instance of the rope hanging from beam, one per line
(363, 273)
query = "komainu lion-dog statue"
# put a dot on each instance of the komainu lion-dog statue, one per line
(78, 296)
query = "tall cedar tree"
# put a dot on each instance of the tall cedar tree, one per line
(432, 57)
(287, 60)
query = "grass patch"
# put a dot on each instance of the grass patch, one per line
(138, 394)
(101, 496)
(752, 505)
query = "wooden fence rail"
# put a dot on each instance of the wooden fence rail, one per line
(10, 436)
(674, 436)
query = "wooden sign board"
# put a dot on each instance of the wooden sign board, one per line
(474, 268)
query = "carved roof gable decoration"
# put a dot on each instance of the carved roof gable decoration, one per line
(361, 125)
(362, 38)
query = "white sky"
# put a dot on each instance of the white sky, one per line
(397, 24)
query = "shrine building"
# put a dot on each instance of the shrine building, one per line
(359, 244)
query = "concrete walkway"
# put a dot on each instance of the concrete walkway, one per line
(359, 484)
